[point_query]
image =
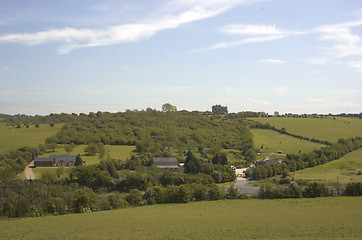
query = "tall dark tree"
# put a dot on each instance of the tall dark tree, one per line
(78, 161)
(192, 164)
(218, 109)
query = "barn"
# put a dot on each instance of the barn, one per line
(55, 161)
(165, 163)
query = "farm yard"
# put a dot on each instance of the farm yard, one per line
(321, 218)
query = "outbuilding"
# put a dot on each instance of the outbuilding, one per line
(165, 163)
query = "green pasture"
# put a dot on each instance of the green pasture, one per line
(345, 169)
(273, 141)
(323, 129)
(12, 138)
(320, 218)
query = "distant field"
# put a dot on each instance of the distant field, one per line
(323, 129)
(320, 218)
(12, 138)
(273, 141)
(345, 169)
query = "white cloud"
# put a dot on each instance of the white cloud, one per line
(249, 29)
(9, 19)
(281, 90)
(255, 33)
(229, 89)
(126, 67)
(4, 69)
(236, 43)
(259, 102)
(269, 60)
(347, 43)
(356, 65)
(74, 38)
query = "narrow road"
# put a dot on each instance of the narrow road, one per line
(28, 171)
(242, 184)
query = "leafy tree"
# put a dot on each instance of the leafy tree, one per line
(220, 158)
(218, 109)
(168, 108)
(51, 143)
(69, 147)
(101, 150)
(91, 149)
(192, 164)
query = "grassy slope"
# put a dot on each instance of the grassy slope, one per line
(116, 152)
(345, 169)
(323, 129)
(12, 138)
(321, 218)
(275, 141)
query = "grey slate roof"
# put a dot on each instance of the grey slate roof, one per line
(165, 162)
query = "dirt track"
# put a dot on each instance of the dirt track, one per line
(28, 171)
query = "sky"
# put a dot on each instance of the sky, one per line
(290, 56)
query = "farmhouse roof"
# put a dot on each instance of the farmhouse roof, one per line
(165, 162)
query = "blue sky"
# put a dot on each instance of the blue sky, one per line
(300, 56)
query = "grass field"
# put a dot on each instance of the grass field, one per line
(321, 218)
(274, 141)
(323, 129)
(12, 138)
(345, 169)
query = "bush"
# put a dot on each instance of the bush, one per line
(353, 189)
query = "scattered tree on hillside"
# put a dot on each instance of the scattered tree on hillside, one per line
(168, 108)
(220, 158)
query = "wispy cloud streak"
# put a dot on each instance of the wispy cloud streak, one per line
(74, 38)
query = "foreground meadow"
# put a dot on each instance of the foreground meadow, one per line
(323, 129)
(320, 218)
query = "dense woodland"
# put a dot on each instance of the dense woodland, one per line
(117, 183)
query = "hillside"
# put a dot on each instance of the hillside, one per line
(273, 141)
(346, 169)
(323, 129)
(321, 218)
(13, 138)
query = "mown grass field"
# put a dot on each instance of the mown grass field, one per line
(323, 129)
(321, 218)
(345, 169)
(273, 141)
(12, 138)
